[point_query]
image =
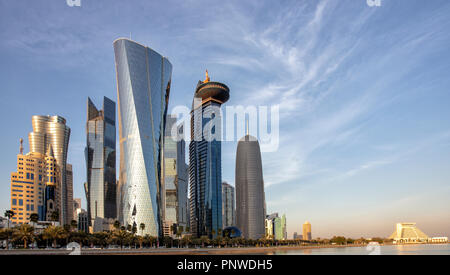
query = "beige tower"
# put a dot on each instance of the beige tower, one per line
(307, 231)
(52, 130)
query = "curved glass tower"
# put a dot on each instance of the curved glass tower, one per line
(205, 164)
(53, 131)
(250, 200)
(143, 87)
(100, 156)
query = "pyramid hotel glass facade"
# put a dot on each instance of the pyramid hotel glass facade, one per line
(143, 87)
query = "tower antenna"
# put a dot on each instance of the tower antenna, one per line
(247, 127)
(21, 146)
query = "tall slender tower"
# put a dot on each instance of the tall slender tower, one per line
(143, 88)
(228, 202)
(205, 166)
(53, 131)
(175, 177)
(307, 231)
(100, 156)
(250, 198)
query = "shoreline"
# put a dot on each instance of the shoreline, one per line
(187, 251)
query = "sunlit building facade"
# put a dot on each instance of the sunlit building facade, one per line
(143, 87)
(205, 164)
(175, 178)
(33, 186)
(100, 156)
(307, 235)
(408, 233)
(53, 131)
(169, 196)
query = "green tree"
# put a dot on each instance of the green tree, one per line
(340, 240)
(24, 233)
(121, 236)
(187, 240)
(54, 233)
(74, 225)
(101, 238)
(79, 236)
(9, 214)
(54, 216)
(116, 224)
(34, 218)
(142, 227)
(204, 240)
(140, 240)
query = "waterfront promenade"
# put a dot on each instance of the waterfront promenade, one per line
(174, 251)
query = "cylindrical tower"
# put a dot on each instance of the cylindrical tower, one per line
(53, 131)
(250, 199)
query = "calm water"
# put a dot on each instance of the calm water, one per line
(420, 249)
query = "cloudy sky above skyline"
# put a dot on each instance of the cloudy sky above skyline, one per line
(363, 94)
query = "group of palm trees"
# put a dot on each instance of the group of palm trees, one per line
(23, 235)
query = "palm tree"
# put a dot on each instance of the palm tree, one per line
(142, 227)
(117, 225)
(100, 238)
(74, 224)
(25, 233)
(9, 214)
(140, 240)
(54, 216)
(134, 229)
(34, 218)
(121, 236)
(204, 239)
(187, 239)
(54, 233)
(150, 240)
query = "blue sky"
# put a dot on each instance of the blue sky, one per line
(363, 91)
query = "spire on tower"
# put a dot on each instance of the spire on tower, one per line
(207, 77)
(21, 146)
(50, 151)
(247, 128)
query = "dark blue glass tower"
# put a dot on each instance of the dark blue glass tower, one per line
(205, 167)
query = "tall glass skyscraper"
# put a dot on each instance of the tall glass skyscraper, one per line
(169, 196)
(175, 176)
(100, 156)
(205, 165)
(250, 199)
(53, 131)
(143, 88)
(182, 180)
(228, 211)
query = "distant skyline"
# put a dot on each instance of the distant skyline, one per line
(363, 93)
